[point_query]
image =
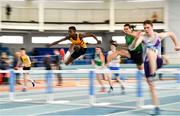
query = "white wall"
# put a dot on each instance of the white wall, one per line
(173, 25)
(78, 12)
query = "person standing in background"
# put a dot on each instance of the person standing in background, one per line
(154, 17)
(15, 66)
(8, 11)
(47, 62)
(114, 65)
(25, 62)
(4, 65)
(99, 63)
(57, 61)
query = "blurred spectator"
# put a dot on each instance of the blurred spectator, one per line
(8, 11)
(25, 63)
(62, 53)
(99, 63)
(154, 17)
(113, 42)
(4, 65)
(15, 66)
(34, 59)
(47, 62)
(113, 63)
(57, 61)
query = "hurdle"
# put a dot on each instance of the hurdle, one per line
(91, 72)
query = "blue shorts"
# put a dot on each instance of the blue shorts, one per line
(159, 63)
(115, 68)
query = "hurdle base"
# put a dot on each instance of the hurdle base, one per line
(50, 98)
(92, 99)
(21, 100)
(140, 101)
(11, 96)
(59, 102)
(101, 104)
(147, 107)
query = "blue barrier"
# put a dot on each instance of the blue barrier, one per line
(11, 81)
(49, 81)
(139, 84)
(91, 83)
(177, 78)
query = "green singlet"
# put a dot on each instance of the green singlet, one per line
(97, 60)
(129, 40)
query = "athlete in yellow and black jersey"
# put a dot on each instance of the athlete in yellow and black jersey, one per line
(77, 43)
(25, 62)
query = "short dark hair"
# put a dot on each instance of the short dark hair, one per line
(22, 49)
(128, 25)
(72, 28)
(100, 48)
(148, 22)
(114, 45)
(112, 41)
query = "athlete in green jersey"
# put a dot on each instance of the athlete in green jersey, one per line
(99, 63)
(136, 54)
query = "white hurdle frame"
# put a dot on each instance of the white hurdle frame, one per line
(91, 72)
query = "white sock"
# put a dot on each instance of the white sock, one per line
(67, 55)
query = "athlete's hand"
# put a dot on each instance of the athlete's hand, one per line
(48, 45)
(15, 68)
(137, 35)
(124, 32)
(107, 64)
(177, 48)
(98, 42)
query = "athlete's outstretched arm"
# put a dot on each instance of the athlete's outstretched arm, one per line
(102, 58)
(110, 57)
(91, 35)
(121, 52)
(71, 48)
(172, 37)
(56, 42)
(137, 40)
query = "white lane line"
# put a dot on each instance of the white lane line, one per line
(120, 113)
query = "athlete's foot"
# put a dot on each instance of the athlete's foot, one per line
(102, 89)
(59, 84)
(24, 90)
(122, 90)
(160, 78)
(18, 83)
(110, 89)
(33, 83)
(153, 77)
(156, 111)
